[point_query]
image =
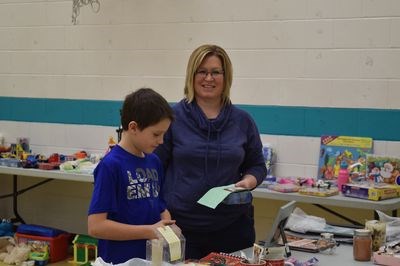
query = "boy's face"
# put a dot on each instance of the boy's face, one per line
(147, 139)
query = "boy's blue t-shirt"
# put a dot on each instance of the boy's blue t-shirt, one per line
(127, 188)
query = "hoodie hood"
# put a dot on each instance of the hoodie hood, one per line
(210, 127)
(199, 119)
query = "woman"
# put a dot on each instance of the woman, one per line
(211, 143)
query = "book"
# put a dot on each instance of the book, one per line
(215, 258)
(336, 150)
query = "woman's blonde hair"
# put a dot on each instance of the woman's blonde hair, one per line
(195, 60)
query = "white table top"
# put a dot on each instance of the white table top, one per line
(343, 256)
(338, 200)
(53, 174)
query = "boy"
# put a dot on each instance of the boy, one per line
(126, 208)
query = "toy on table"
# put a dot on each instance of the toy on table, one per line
(383, 169)
(6, 228)
(388, 254)
(111, 144)
(56, 240)
(53, 162)
(15, 253)
(320, 189)
(365, 190)
(3, 147)
(294, 184)
(30, 161)
(81, 155)
(336, 149)
(285, 184)
(343, 176)
(39, 253)
(9, 159)
(83, 244)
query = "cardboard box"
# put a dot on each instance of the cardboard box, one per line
(386, 259)
(371, 193)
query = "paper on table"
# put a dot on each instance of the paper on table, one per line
(215, 196)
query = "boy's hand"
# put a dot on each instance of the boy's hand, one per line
(165, 222)
(161, 223)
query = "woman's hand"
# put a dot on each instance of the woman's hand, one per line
(248, 181)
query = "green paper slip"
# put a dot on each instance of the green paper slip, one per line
(215, 196)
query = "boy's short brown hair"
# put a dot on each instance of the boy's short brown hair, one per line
(146, 107)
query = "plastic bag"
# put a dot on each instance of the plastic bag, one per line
(300, 222)
(132, 262)
(392, 226)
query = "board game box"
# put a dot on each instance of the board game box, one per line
(383, 169)
(335, 150)
(366, 191)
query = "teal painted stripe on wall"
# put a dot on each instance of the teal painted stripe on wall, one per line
(66, 111)
(380, 124)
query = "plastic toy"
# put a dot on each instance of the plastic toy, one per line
(81, 155)
(42, 238)
(39, 253)
(343, 176)
(30, 162)
(82, 245)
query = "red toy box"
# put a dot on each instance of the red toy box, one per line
(58, 245)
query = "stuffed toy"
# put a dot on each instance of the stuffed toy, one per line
(6, 228)
(13, 253)
(4, 242)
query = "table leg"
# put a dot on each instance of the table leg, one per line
(17, 218)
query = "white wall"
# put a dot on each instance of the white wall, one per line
(320, 53)
(291, 53)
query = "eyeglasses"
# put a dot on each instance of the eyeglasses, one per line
(202, 73)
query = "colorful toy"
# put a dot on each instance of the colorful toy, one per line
(6, 228)
(337, 149)
(82, 245)
(13, 253)
(39, 253)
(37, 236)
(343, 176)
(383, 169)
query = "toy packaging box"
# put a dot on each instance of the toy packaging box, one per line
(337, 149)
(377, 192)
(36, 235)
(285, 188)
(383, 169)
(169, 247)
(386, 259)
(313, 191)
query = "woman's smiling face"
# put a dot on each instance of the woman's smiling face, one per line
(209, 79)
